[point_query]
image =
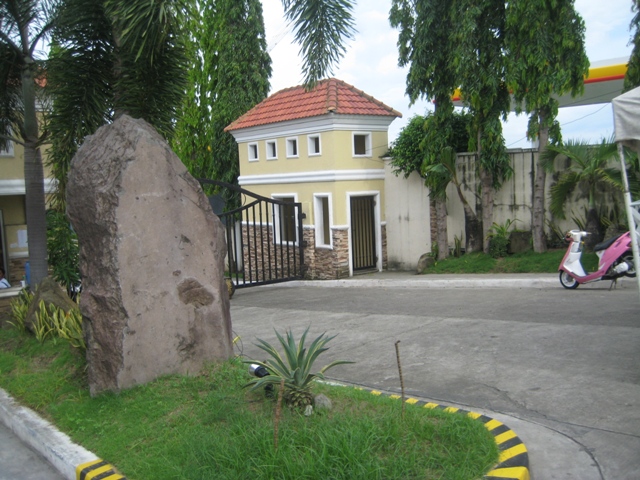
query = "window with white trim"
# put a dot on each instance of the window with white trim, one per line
(361, 144)
(253, 152)
(292, 147)
(8, 150)
(313, 142)
(272, 150)
(322, 217)
(285, 230)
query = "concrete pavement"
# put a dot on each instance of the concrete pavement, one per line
(466, 342)
(559, 367)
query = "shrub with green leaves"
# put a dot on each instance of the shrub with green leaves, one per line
(498, 237)
(295, 368)
(19, 309)
(49, 322)
(63, 252)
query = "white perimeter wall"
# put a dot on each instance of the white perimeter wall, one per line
(407, 217)
(407, 206)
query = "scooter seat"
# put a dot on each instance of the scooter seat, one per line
(606, 244)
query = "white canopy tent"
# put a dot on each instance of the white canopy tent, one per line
(626, 120)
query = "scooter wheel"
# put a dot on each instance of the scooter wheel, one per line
(628, 257)
(568, 281)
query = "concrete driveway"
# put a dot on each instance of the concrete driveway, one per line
(561, 368)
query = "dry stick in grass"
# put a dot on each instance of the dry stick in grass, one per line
(401, 378)
(278, 411)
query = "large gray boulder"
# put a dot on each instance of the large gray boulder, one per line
(154, 300)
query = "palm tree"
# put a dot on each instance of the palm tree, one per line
(23, 24)
(108, 58)
(588, 169)
(111, 57)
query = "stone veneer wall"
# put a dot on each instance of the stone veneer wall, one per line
(265, 260)
(319, 263)
(327, 263)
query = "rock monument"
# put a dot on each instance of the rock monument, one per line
(154, 300)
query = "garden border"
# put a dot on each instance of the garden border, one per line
(513, 462)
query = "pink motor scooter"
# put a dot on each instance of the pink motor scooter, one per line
(615, 260)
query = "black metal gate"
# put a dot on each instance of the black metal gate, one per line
(264, 238)
(363, 233)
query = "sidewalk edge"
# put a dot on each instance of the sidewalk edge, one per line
(41, 436)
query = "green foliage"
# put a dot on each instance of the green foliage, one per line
(42, 328)
(501, 230)
(63, 252)
(111, 57)
(51, 322)
(295, 368)
(546, 56)
(588, 167)
(54, 322)
(163, 429)
(526, 262)
(426, 46)
(405, 151)
(321, 28)
(457, 246)
(498, 237)
(228, 74)
(19, 309)
(498, 246)
(632, 77)
(426, 144)
(480, 64)
(555, 237)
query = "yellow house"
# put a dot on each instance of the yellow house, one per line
(14, 249)
(322, 148)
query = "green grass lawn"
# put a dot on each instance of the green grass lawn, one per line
(208, 426)
(527, 262)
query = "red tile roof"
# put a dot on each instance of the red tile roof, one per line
(331, 95)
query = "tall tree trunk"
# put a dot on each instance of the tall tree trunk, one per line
(33, 182)
(537, 210)
(473, 231)
(472, 225)
(441, 225)
(486, 180)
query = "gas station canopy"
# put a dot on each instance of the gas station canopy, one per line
(602, 84)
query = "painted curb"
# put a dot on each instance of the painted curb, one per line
(97, 470)
(56, 447)
(513, 462)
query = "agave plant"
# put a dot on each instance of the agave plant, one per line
(294, 368)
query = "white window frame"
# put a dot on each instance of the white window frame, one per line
(276, 219)
(320, 221)
(367, 146)
(311, 140)
(9, 152)
(291, 141)
(269, 144)
(251, 149)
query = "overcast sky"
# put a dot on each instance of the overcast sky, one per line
(371, 64)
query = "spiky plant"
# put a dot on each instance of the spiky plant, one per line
(294, 368)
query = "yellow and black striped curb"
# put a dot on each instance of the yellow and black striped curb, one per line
(513, 462)
(97, 469)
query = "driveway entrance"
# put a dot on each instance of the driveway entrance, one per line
(563, 366)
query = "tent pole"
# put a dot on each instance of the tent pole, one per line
(633, 225)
